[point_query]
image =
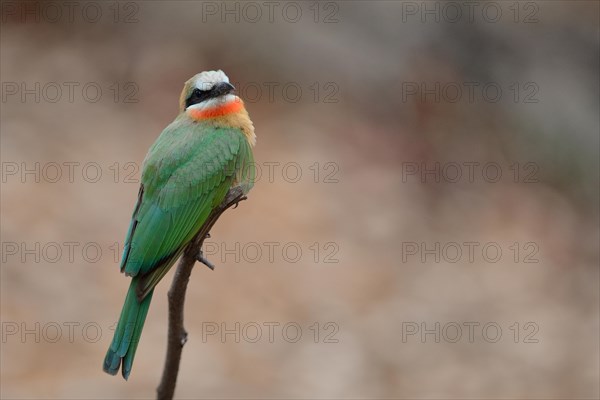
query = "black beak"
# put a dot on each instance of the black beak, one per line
(222, 88)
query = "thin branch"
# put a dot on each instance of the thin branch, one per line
(177, 333)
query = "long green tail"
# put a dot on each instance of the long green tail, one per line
(128, 332)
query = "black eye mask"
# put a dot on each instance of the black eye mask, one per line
(198, 96)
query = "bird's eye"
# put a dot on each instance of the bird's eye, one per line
(197, 96)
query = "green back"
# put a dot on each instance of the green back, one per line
(186, 174)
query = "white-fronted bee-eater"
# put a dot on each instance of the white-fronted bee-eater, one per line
(186, 174)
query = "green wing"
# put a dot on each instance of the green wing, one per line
(187, 173)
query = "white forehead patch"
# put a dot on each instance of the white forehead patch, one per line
(205, 80)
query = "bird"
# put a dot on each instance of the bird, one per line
(186, 174)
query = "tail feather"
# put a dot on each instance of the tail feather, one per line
(128, 332)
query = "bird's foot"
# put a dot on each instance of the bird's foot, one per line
(237, 202)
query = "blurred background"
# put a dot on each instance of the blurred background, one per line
(424, 224)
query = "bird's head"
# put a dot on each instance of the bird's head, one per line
(208, 96)
(206, 90)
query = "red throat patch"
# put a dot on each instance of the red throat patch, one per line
(219, 110)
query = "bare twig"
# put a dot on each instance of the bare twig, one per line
(177, 333)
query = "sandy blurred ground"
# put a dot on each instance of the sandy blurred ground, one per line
(379, 305)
